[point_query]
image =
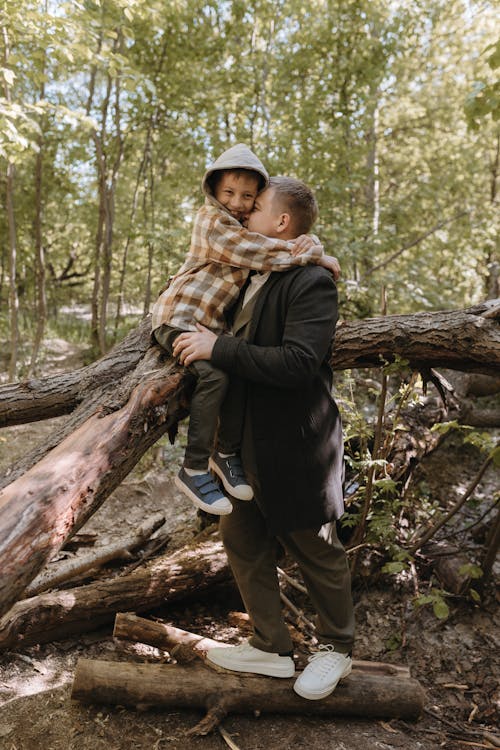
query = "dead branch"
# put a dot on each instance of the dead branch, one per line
(58, 573)
(422, 536)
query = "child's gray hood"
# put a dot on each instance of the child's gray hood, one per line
(236, 157)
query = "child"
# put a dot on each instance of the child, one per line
(221, 256)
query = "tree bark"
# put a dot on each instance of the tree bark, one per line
(41, 509)
(467, 340)
(173, 686)
(167, 578)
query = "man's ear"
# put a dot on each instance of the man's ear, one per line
(283, 223)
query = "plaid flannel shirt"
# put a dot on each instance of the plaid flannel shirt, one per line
(221, 256)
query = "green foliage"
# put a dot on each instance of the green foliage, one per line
(437, 599)
(484, 99)
(363, 100)
(471, 571)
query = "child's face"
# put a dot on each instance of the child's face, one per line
(237, 193)
(265, 216)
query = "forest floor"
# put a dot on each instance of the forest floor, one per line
(456, 660)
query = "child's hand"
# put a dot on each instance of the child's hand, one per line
(303, 243)
(331, 264)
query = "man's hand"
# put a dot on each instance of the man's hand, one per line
(331, 264)
(303, 243)
(191, 346)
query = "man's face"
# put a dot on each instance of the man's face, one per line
(265, 217)
(237, 193)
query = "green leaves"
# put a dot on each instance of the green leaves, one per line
(436, 598)
(484, 98)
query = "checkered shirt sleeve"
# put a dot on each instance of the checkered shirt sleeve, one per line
(221, 256)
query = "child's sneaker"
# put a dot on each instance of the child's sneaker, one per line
(204, 492)
(230, 471)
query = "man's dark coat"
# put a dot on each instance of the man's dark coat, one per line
(295, 427)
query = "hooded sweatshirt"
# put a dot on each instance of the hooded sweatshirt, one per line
(221, 255)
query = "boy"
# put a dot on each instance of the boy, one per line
(221, 255)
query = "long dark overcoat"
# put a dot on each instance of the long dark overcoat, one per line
(296, 429)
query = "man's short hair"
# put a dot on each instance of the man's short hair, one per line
(296, 199)
(214, 178)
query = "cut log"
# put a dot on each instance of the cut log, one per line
(64, 571)
(136, 629)
(165, 579)
(173, 686)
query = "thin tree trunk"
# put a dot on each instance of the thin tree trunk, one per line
(41, 294)
(123, 269)
(102, 221)
(11, 223)
(110, 191)
(147, 295)
(13, 296)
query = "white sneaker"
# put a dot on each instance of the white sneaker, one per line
(326, 667)
(246, 658)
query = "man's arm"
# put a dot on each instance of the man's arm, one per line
(309, 330)
(233, 245)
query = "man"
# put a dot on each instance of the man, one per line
(292, 451)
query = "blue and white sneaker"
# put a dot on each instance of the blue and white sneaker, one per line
(230, 471)
(203, 492)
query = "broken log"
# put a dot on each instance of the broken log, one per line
(50, 502)
(173, 686)
(136, 629)
(165, 579)
(64, 571)
(181, 644)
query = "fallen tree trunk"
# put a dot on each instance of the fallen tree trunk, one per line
(43, 398)
(172, 686)
(50, 502)
(467, 340)
(168, 578)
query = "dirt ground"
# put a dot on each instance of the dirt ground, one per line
(456, 660)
